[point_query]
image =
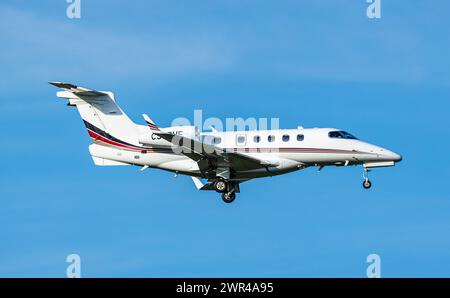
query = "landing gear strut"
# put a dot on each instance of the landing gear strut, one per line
(366, 183)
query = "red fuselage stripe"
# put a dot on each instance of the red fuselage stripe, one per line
(95, 135)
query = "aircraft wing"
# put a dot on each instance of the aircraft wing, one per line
(200, 151)
(244, 162)
(207, 155)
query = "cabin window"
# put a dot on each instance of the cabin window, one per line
(285, 138)
(300, 138)
(217, 140)
(241, 140)
(271, 138)
(256, 139)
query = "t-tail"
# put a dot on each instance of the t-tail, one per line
(106, 123)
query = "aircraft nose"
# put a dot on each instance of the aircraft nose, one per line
(383, 154)
(392, 156)
(397, 157)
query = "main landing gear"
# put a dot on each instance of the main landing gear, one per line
(366, 183)
(228, 189)
(228, 197)
(220, 185)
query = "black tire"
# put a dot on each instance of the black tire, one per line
(229, 197)
(367, 184)
(220, 186)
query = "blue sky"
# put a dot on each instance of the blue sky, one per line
(311, 63)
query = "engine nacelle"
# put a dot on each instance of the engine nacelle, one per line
(151, 139)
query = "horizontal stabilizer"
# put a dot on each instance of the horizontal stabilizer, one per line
(78, 90)
(104, 101)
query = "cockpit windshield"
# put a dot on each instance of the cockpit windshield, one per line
(341, 135)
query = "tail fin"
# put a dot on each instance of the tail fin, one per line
(100, 113)
(106, 123)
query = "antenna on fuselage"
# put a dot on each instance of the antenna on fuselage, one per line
(213, 129)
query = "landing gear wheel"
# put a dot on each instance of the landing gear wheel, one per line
(367, 184)
(228, 197)
(220, 186)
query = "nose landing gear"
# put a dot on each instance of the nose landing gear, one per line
(366, 183)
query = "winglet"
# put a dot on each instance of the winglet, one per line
(150, 122)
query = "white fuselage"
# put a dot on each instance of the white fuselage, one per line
(285, 150)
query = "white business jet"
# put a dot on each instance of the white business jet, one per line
(224, 159)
